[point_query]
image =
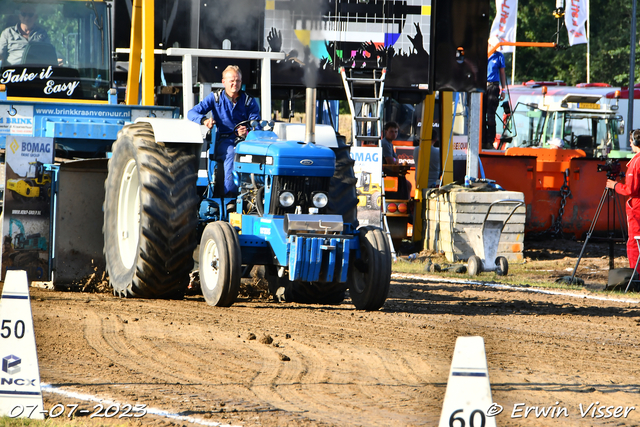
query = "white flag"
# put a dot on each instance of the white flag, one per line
(505, 22)
(576, 15)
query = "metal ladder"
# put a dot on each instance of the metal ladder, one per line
(366, 126)
(367, 121)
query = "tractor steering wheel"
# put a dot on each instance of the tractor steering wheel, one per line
(246, 123)
(570, 139)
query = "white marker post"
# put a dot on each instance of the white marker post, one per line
(468, 393)
(20, 394)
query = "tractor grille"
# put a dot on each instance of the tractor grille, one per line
(301, 187)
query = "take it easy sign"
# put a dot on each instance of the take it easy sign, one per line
(42, 82)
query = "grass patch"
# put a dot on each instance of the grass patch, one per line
(539, 274)
(534, 278)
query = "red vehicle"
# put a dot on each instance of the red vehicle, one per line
(554, 146)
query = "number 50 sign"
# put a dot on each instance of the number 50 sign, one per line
(7, 330)
(20, 375)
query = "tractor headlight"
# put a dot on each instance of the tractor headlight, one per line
(286, 199)
(320, 200)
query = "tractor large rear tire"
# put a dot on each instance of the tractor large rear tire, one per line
(150, 215)
(342, 188)
(370, 276)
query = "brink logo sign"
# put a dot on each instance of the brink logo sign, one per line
(10, 364)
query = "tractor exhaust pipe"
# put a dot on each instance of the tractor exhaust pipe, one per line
(310, 114)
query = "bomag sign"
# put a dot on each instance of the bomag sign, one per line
(365, 156)
(35, 147)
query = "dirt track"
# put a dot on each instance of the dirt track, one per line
(333, 365)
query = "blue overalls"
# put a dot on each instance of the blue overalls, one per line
(226, 115)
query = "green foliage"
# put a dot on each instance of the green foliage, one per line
(609, 44)
(59, 29)
(52, 19)
(344, 107)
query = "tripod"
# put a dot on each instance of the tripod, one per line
(606, 194)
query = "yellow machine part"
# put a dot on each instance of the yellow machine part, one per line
(23, 188)
(141, 49)
(422, 164)
(44, 179)
(372, 189)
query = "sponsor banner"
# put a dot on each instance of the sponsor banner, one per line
(575, 17)
(368, 171)
(98, 112)
(460, 145)
(505, 23)
(27, 204)
(361, 34)
(405, 155)
(16, 120)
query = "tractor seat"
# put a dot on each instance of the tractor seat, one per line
(39, 53)
(584, 142)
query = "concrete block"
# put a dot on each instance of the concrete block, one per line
(450, 214)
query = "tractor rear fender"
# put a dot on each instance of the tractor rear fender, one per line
(174, 130)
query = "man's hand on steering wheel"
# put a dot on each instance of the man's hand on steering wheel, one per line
(241, 129)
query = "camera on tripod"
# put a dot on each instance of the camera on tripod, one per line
(612, 167)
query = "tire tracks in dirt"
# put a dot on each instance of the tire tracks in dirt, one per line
(346, 367)
(164, 363)
(311, 383)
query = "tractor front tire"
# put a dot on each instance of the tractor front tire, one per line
(370, 276)
(150, 215)
(220, 264)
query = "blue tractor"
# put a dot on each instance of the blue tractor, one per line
(294, 215)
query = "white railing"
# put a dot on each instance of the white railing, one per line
(265, 68)
(187, 55)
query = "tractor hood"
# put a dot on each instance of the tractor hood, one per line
(274, 157)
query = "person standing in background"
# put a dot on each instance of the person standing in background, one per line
(631, 188)
(496, 84)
